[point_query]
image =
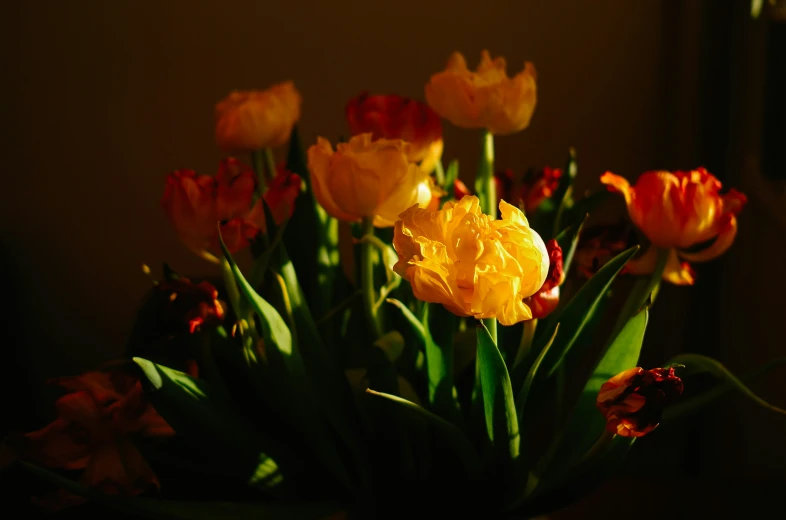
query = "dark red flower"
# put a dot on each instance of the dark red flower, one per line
(191, 304)
(599, 244)
(538, 186)
(543, 302)
(633, 400)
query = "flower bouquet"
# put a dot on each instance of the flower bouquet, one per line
(396, 341)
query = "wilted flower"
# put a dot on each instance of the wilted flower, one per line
(366, 178)
(599, 244)
(486, 98)
(247, 121)
(470, 263)
(632, 401)
(195, 204)
(543, 302)
(396, 117)
(679, 211)
(93, 432)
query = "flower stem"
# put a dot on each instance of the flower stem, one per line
(367, 279)
(491, 324)
(485, 185)
(270, 164)
(258, 163)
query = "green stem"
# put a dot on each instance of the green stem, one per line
(485, 185)
(258, 163)
(270, 164)
(491, 324)
(367, 278)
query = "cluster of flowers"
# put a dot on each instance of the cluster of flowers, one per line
(452, 250)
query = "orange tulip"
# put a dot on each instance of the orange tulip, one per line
(248, 121)
(396, 117)
(486, 98)
(195, 204)
(368, 178)
(93, 433)
(678, 211)
(632, 401)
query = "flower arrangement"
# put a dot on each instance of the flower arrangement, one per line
(401, 342)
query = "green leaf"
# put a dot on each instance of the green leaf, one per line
(564, 191)
(312, 236)
(500, 409)
(417, 327)
(153, 508)
(262, 262)
(447, 431)
(524, 393)
(574, 317)
(289, 368)
(190, 408)
(586, 424)
(696, 363)
(591, 477)
(439, 364)
(688, 406)
(568, 240)
(439, 360)
(642, 291)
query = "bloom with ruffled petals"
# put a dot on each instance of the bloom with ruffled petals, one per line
(543, 302)
(397, 117)
(486, 98)
(470, 263)
(195, 204)
(679, 211)
(633, 400)
(247, 121)
(92, 432)
(367, 178)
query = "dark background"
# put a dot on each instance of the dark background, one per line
(100, 100)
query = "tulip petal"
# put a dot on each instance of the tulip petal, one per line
(676, 272)
(722, 242)
(618, 184)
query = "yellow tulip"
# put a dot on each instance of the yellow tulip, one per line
(365, 178)
(248, 121)
(470, 263)
(486, 98)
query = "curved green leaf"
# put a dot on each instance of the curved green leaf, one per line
(451, 434)
(572, 318)
(499, 406)
(194, 411)
(586, 425)
(695, 363)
